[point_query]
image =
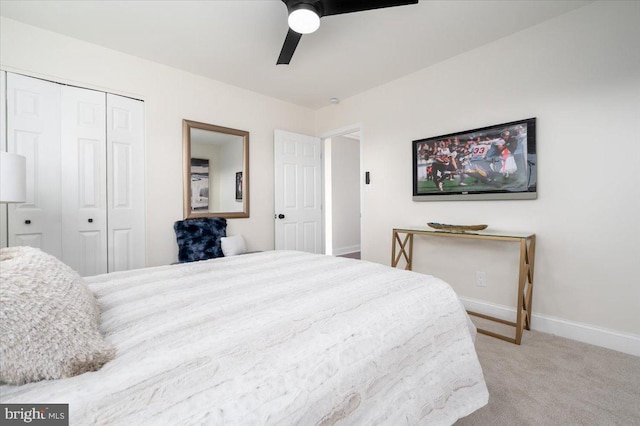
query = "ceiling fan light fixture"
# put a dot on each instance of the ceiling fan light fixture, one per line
(304, 19)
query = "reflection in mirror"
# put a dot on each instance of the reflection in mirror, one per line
(216, 171)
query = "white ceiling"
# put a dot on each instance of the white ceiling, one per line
(238, 41)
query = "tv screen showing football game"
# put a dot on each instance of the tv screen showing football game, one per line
(495, 162)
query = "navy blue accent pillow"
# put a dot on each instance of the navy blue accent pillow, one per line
(199, 239)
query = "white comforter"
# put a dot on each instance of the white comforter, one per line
(279, 338)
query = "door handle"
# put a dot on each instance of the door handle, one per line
(90, 220)
(280, 216)
(28, 222)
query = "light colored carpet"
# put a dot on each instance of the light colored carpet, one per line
(549, 380)
(354, 255)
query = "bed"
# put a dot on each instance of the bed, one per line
(274, 338)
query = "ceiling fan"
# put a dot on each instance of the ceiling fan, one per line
(304, 17)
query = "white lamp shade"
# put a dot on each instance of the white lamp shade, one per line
(303, 20)
(13, 178)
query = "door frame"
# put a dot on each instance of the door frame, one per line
(4, 229)
(326, 182)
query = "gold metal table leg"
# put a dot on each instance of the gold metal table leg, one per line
(404, 252)
(402, 248)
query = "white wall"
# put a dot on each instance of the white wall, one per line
(170, 95)
(345, 180)
(232, 153)
(579, 74)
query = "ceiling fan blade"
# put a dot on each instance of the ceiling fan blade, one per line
(289, 46)
(337, 7)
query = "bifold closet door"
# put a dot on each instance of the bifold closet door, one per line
(85, 174)
(84, 180)
(125, 183)
(33, 130)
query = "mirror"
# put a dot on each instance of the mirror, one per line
(216, 171)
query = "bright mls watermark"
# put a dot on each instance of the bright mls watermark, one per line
(35, 414)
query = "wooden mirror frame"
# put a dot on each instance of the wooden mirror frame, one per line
(187, 125)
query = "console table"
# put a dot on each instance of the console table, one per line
(402, 248)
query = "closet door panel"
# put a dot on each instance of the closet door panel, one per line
(125, 186)
(33, 130)
(122, 240)
(84, 213)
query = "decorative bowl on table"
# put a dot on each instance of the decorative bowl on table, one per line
(456, 228)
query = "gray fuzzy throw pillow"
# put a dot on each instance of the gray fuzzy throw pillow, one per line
(48, 319)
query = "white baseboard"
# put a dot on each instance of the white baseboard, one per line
(345, 250)
(610, 339)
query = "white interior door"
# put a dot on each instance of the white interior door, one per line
(33, 130)
(84, 179)
(125, 183)
(298, 192)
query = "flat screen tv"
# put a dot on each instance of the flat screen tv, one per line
(491, 163)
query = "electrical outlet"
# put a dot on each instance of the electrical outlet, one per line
(481, 279)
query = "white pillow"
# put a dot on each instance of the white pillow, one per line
(49, 319)
(233, 245)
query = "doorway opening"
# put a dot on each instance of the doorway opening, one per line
(343, 183)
